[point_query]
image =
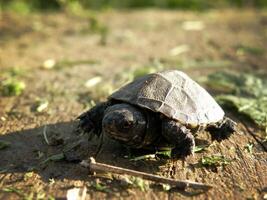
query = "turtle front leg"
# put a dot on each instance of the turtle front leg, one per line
(91, 120)
(222, 129)
(179, 136)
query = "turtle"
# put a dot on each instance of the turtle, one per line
(157, 109)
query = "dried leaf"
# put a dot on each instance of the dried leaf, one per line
(179, 50)
(76, 194)
(41, 105)
(166, 187)
(49, 64)
(93, 81)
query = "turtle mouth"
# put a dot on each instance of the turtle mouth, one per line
(117, 127)
(117, 136)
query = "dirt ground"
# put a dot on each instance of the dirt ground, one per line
(110, 47)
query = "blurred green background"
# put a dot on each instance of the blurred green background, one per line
(33, 5)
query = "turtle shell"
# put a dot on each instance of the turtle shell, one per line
(173, 94)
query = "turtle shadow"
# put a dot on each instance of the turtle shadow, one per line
(28, 150)
(57, 153)
(34, 150)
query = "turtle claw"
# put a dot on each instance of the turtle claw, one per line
(85, 123)
(90, 122)
(180, 137)
(184, 149)
(222, 130)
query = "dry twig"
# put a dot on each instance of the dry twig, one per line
(182, 184)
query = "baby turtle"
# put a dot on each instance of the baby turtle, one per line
(157, 109)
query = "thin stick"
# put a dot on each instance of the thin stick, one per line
(45, 136)
(94, 166)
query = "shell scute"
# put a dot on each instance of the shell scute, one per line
(173, 94)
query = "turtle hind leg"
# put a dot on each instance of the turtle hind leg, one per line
(179, 136)
(91, 120)
(222, 130)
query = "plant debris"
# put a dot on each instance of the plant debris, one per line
(179, 50)
(52, 137)
(253, 108)
(100, 187)
(49, 64)
(166, 187)
(14, 72)
(93, 81)
(41, 105)
(76, 193)
(58, 65)
(245, 49)
(249, 148)
(13, 190)
(132, 181)
(12, 87)
(28, 175)
(144, 157)
(243, 84)
(4, 144)
(214, 161)
(164, 154)
(246, 93)
(55, 157)
(200, 148)
(39, 194)
(139, 183)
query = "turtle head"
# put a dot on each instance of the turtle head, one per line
(125, 123)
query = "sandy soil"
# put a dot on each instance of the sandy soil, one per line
(134, 39)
